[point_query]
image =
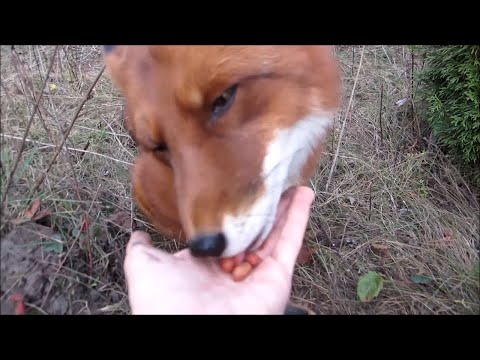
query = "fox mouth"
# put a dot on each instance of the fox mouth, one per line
(261, 245)
(267, 228)
(256, 243)
(264, 233)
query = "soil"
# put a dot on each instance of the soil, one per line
(28, 271)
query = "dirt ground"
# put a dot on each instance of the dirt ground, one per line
(29, 270)
(395, 205)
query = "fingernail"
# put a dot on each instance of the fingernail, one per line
(307, 194)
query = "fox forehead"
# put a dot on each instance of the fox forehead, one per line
(193, 76)
(217, 62)
(165, 83)
(212, 69)
(207, 68)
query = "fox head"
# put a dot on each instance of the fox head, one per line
(223, 131)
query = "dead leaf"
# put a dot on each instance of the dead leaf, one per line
(121, 219)
(381, 249)
(42, 214)
(447, 235)
(305, 255)
(29, 213)
(19, 304)
(85, 224)
(322, 238)
(32, 210)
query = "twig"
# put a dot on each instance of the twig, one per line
(69, 250)
(118, 140)
(333, 133)
(85, 148)
(33, 306)
(386, 54)
(101, 131)
(353, 59)
(344, 121)
(29, 124)
(20, 68)
(86, 222)
(370, 202)
(380, 117)
(68, 148)
(8, 97)
(67, 133)
(412, 85)
(37, 62)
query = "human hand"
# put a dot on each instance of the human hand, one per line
(163, 283)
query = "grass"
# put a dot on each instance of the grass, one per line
(395, 204)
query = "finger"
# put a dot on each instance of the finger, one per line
(292, 228)
(270, 242)
(183, 254)
(138, 238)
(138, 242)
(140, 255)
(284, 204)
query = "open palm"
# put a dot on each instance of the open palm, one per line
(162, 283)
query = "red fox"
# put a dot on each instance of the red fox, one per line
(222, 132)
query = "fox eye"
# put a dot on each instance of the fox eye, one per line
(223, 103)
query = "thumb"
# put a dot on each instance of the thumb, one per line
(292, 231)
(141, 255)
(138, 238)
(142, 265)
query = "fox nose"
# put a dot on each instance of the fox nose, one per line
(207, 245)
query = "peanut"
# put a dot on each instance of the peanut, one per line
(227, 264)
(253, 259)
(242, 271)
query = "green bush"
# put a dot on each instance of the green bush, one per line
(447, 95)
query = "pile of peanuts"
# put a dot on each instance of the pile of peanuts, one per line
(240, 269)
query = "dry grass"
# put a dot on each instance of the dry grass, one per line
(395, 204)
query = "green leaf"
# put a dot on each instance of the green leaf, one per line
(75, 232)
(54, 246)
(96, 231)
(421, 279)
(476, 271)
(369, 286)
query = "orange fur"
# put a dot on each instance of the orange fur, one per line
(214, 168)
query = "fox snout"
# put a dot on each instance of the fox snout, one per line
(208, 245)
(220, 218)
(217, 211)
